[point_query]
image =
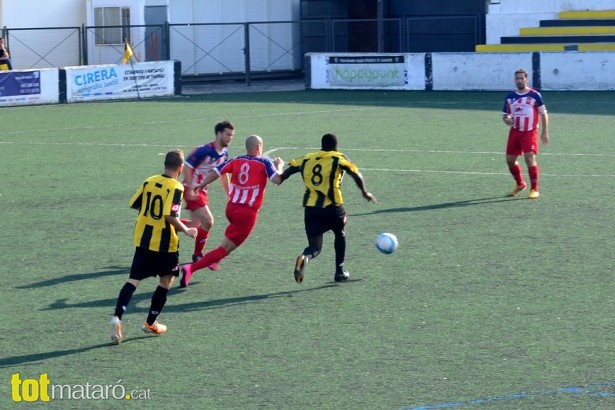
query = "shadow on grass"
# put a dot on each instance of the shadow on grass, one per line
(204, 305)
(186, 307)
(219, 303)
(445, 205)
(176, 292)
(40, 358)
(61, 280)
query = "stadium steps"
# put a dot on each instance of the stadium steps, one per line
(588, 30)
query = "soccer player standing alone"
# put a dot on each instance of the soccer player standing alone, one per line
(521, 111)
(322, 173)
(159, 202)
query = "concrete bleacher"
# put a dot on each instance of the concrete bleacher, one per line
(587, 30)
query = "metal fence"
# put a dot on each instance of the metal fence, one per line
(242, 50)
(44, 47)
(231, 48)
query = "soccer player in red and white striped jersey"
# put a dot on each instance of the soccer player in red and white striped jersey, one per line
(249, 176)
(201, 161)
(522, 110)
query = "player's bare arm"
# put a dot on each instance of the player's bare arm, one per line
(188, 175)
(358, 179)
(288, 172)
(544, 136)
(279, 165)
(211, 177)
(180, 226)
(225, 182)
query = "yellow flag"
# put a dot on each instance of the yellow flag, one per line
(127, 53)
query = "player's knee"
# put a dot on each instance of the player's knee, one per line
(206, 223)
(166, 281)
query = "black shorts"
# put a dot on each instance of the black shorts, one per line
(146, 263)
(320, 220)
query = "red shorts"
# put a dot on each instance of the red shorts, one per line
(520, 142)
(201, 200)
(242, 221)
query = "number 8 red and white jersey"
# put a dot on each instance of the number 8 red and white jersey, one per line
(249, 175)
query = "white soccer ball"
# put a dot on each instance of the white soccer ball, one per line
(386, 243)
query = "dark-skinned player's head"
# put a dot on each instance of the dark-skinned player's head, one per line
(329, 142)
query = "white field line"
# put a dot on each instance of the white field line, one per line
(424, 171)
(307, 149)
(185, 120)
(357, 106)
(435, 151)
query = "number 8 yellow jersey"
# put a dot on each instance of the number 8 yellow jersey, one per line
(322, 173)
(159, 196)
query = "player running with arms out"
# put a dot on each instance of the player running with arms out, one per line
(249, 176)
(521, 111)
(322, 173)
(159, 202)
(201, 161)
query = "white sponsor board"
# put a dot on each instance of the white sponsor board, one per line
(354, 71)
(108, 82)
(29, 87)
(367, 71)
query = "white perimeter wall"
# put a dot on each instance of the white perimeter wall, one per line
(507, 17)
(594, 71)
(495, 71)
(478, 71)
(575, 71)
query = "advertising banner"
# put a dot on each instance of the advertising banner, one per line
(367, 71)
(28, 87)
(106, 82)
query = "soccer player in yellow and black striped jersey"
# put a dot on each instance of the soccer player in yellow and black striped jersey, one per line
(158, 201)
(322, 174)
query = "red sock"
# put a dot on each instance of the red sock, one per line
(534, 171)
(515, 170)
(213, 256)
(200, 241)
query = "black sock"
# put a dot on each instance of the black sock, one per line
(159, 298)
(311, 252)
(124, 299)
(339, 245)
